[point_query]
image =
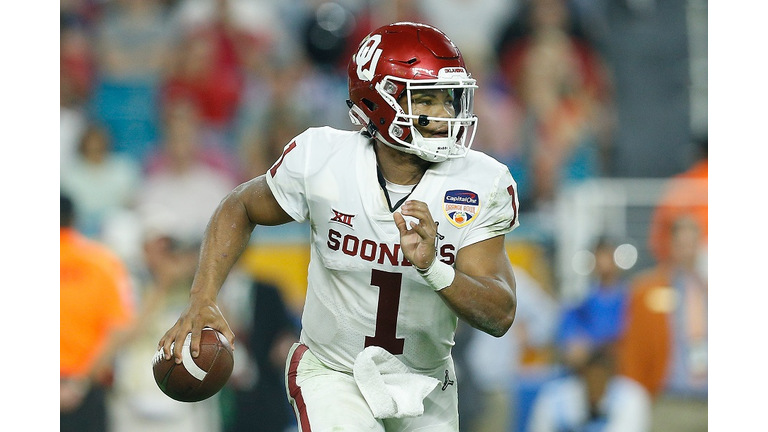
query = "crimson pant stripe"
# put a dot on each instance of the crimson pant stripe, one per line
(511, 191)
(295, 391)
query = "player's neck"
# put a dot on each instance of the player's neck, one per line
(399, 167)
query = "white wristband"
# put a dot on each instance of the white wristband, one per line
(438, 275)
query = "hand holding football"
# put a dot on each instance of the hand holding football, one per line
(195, 379)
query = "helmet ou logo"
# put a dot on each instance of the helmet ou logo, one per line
(368, 55)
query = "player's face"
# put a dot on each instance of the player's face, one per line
(432, 103)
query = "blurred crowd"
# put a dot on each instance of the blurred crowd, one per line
(166, 105)
(215, 88)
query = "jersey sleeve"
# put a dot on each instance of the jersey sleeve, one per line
(286, 178)
(499, 215)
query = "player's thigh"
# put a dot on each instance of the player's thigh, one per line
(324, 399)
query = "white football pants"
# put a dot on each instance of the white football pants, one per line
(326, 400)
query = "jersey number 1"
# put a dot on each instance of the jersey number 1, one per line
(386, 313)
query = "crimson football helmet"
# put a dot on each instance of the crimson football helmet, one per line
(396, 60)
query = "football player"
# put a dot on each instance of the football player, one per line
(407, 236)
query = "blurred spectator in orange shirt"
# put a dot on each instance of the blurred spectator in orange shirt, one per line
(596, 319)
(96, 310)
(665, 343)
(686, 194)
(676, 370)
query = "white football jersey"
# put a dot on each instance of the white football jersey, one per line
(361, 290)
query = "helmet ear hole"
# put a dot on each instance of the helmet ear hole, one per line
(369, 103)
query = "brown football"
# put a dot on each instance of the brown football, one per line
(196, 379)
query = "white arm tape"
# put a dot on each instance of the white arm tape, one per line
(438, 275)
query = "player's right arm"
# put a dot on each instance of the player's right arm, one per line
(226, 237)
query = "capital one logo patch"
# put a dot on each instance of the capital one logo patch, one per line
(461, 207)
(368, 55)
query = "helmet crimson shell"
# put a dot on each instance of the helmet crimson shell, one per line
(396, 59)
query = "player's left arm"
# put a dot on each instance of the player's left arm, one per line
(482, 291)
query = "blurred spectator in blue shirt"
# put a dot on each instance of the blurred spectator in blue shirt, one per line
(598, 318)
(134, 42)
